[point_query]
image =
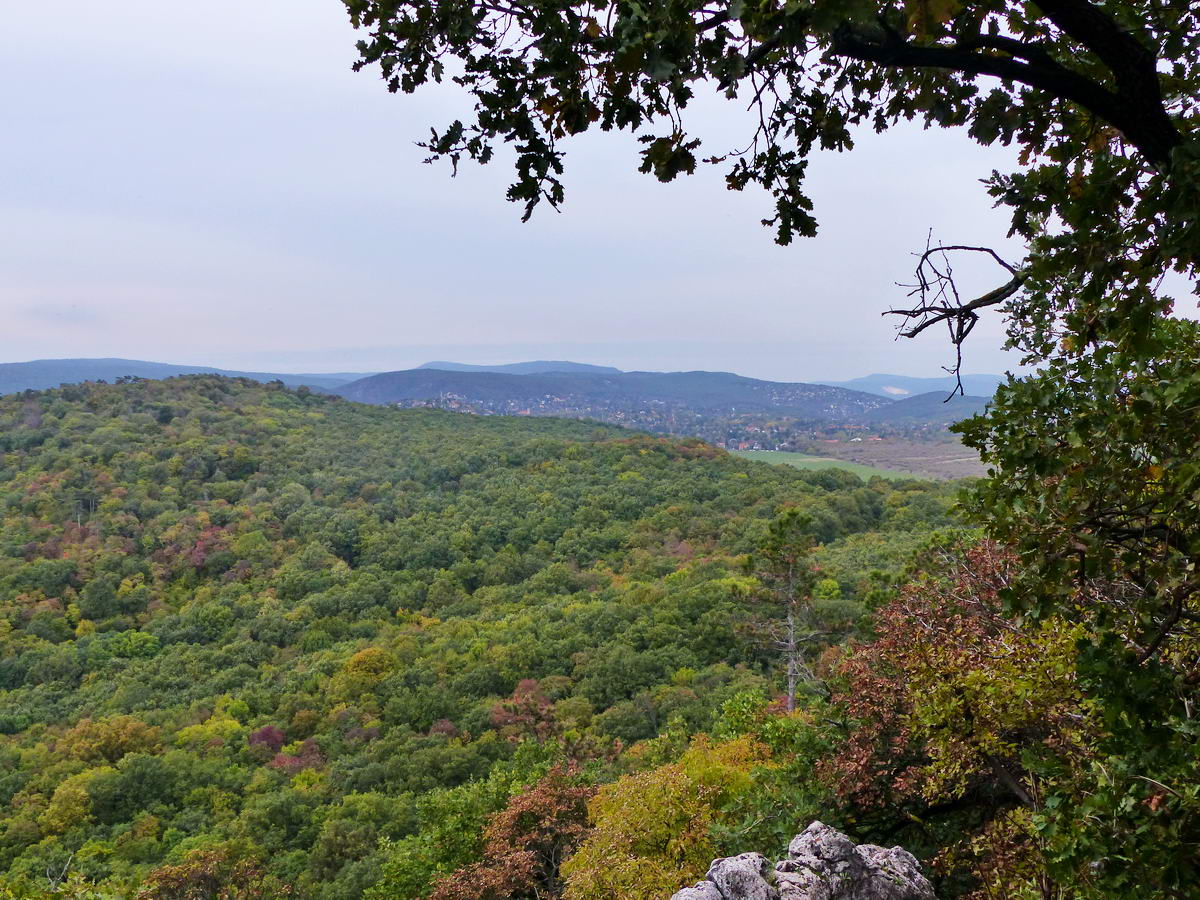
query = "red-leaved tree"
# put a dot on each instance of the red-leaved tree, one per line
(525, 843)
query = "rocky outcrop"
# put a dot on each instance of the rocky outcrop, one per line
(821, 864)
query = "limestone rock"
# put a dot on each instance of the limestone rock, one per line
(821, 864)
(824, 864)
(746, 877)
(705, 890)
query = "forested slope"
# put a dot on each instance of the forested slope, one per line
(279, 641)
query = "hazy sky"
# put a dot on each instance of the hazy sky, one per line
(210, 183)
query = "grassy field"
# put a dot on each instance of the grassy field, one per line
(804, 461)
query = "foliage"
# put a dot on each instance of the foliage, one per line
(782, 565)
(652, 830)
(1094, 485)
(525, 844)
(1025, 714)
(1093, 479)
(215, 874)
(784, 797)
(983, 729)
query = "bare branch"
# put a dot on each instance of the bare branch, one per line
(940, 301)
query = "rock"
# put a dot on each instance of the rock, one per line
(824, 864)
(705, 890)
(747, 877)
(821, 864)
(899, 867)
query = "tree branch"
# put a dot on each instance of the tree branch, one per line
(933, 315)
(1139, 115)
(941, 303)
(1134, 67)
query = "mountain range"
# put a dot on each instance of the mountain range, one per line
(720, 407)
(701, 392)
(673, 401)
(898, 386)
(537, 367)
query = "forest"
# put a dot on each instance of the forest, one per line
(264, 642)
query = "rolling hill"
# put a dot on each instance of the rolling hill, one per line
(274, 640)
(932, 408)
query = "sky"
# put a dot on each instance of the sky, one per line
(210, 183)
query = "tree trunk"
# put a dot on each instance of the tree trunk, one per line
(791, 650)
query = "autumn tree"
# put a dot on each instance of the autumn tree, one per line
(653, 831)
(974, 731)
(222, 872)
(526, 843)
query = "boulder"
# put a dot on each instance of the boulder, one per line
(824, 864)
(747, 877)
(704, 890)
(821, 864)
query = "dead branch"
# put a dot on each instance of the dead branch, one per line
(939, 300)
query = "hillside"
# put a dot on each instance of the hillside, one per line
(727, 410)
(263, 638)
(930, 409)
(39, 374)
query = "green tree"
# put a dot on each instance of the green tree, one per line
(525, 844)
(1095, 486)
(652, 832)
(782, 564)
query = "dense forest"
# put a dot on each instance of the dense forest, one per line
(260, 642)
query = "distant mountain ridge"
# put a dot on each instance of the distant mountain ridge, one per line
(657, 400)
(536, 367)
(574, 393)
(39, 374)
(899, 386)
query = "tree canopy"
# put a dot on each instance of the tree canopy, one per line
(255, 641)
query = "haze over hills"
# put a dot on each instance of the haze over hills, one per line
(40, 374)
(725, 409)
(931, 408)
(728, 410)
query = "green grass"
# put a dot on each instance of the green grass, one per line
(804, 461)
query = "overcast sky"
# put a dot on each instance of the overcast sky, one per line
(210, 183)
